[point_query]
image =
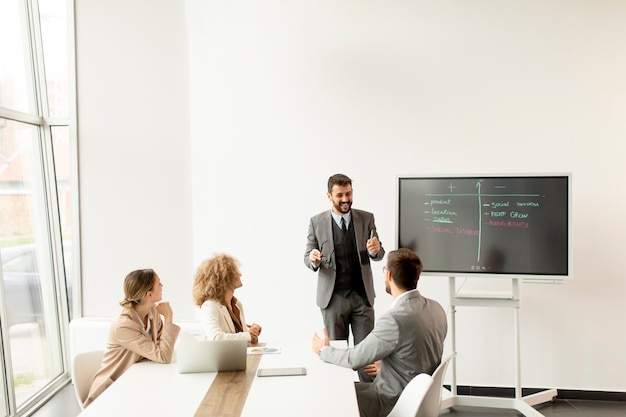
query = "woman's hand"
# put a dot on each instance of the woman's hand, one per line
(165, 309)
(254, 330)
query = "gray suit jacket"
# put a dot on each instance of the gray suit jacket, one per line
(407, 339)
(321, 237)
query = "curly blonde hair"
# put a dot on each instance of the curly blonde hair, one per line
(213, 277)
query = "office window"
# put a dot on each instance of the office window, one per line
(17, 88)
(37, 200)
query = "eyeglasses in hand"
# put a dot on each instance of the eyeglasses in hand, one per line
(327, 259)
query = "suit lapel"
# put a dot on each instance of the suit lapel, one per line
(329, 243)
(357, 222)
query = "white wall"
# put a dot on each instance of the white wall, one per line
(282, 95)
(134, 151)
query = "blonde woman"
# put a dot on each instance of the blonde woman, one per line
(138, 332)
(221, 313)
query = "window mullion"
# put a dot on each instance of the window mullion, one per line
(41, 94)
(18, 116)
(47, 157)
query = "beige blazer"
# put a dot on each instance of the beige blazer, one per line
(129, 343)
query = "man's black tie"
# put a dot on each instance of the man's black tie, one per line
(343, 226)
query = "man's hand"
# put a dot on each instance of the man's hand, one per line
(372, 369)
(315, 256)
(320, 342)
(373, 245)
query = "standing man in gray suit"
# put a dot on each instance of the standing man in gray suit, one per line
(340, 245)
(407, 340)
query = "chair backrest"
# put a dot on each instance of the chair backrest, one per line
(84, 367)
(412, 396)
(431, 404)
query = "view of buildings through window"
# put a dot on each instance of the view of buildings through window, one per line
(36, 197)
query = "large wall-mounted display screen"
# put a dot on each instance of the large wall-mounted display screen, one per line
(492, 225)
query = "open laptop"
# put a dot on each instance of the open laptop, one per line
(194, 355)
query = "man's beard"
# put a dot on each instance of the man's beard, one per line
(343, 208)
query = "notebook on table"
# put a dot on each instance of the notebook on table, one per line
(195, 355)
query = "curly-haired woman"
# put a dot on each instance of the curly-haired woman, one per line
(221, 313)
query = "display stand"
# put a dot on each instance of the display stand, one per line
(522, 404)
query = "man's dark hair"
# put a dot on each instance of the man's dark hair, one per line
(405, 267)
(338, 179)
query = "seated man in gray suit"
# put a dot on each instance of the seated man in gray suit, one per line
(407, 339)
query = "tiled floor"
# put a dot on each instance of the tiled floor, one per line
(64, 405)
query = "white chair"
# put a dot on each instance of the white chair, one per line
(84, 367)
(431, 404)
(412, 396)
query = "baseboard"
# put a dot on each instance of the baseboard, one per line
(562, 394)
(591, 395)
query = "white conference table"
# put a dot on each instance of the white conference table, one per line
(154, 389)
